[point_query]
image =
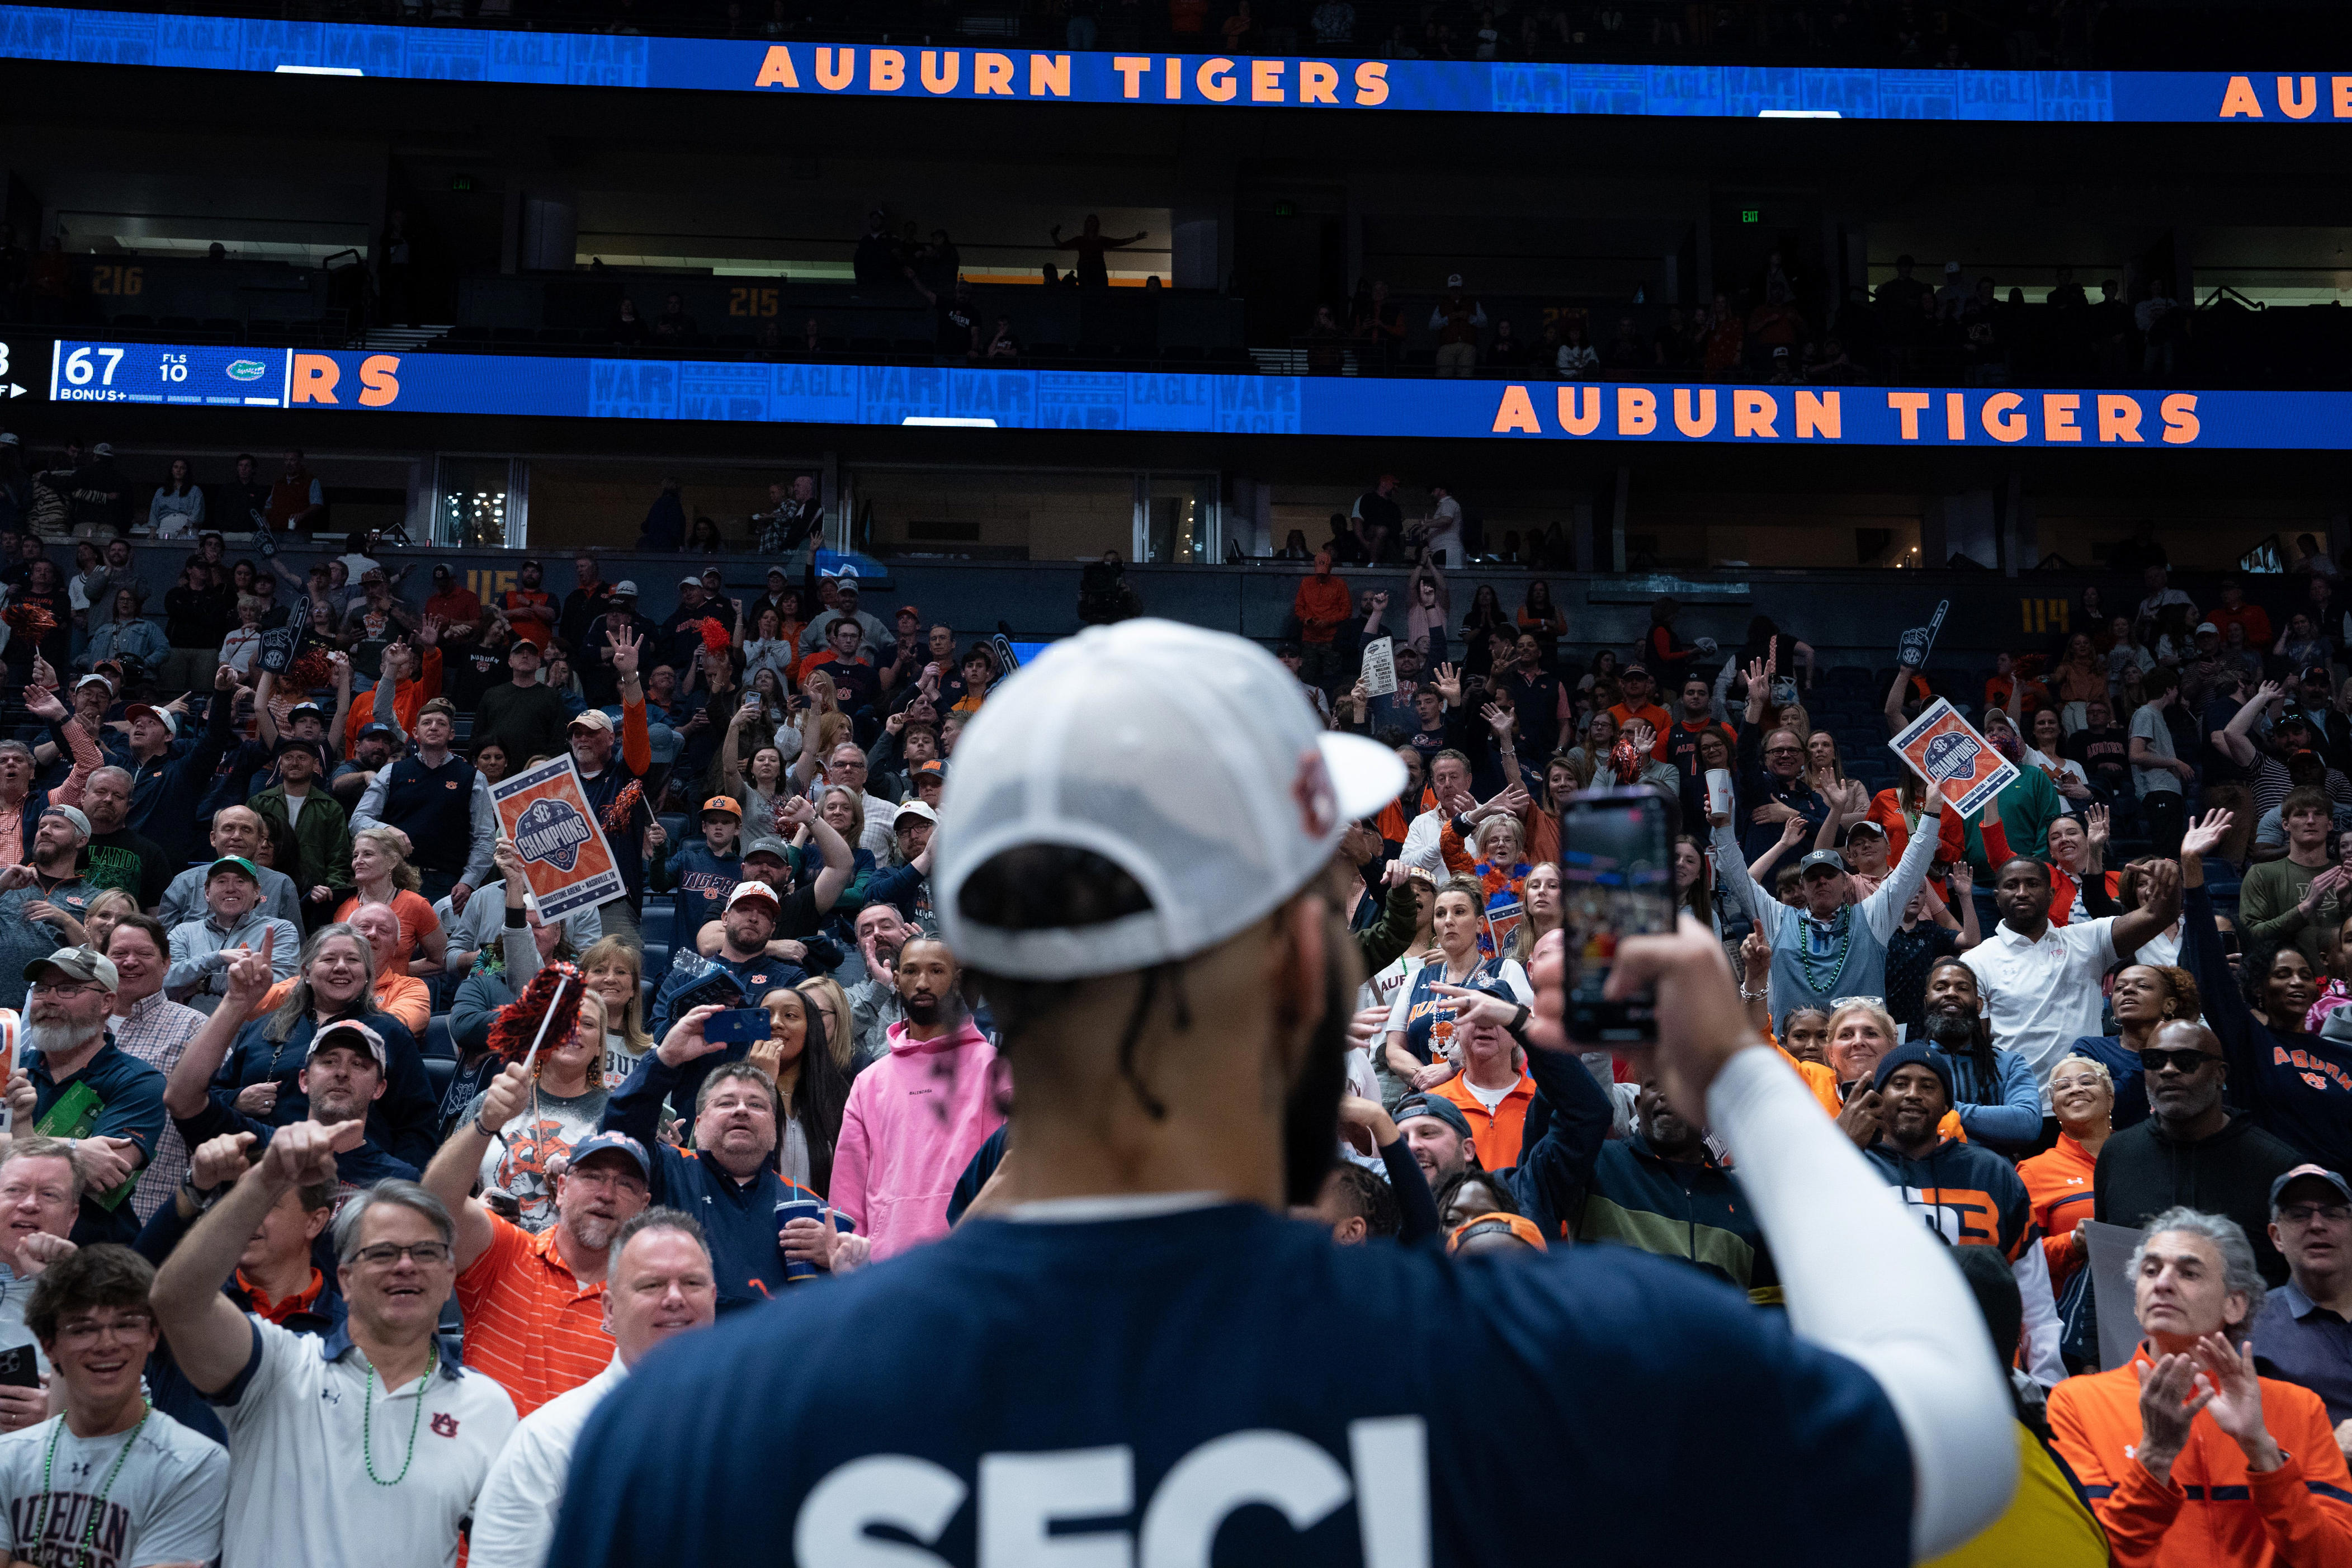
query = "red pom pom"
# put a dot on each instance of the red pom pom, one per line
(715, 636)
(309, 670)
(30, 621)
(517, 1023)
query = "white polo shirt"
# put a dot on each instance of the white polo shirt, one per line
(298, 1487)
(515, 1518)
(2043, 996)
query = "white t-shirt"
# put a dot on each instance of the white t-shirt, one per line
(164, 1504)
(294, 805)
(301, 1491)
(619, 1060)
(1380, 990)
(1490, 1098)
(1445, 530)
(2048, 764)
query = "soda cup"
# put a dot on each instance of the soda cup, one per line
(796, 1273)
(1718, 792)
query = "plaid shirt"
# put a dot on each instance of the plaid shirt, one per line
(156, 1031)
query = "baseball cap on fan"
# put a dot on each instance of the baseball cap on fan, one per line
(1188, 758)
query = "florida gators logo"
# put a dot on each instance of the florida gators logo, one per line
(445, 1426)
(551, 831)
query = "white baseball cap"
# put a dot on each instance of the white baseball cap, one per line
(754, 892)
(1189, 759)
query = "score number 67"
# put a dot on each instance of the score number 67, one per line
(79, 369)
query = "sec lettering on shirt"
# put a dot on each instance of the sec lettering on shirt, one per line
(1028, 1501)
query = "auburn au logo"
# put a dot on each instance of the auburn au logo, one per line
(445, 1426)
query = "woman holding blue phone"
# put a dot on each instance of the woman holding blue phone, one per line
(814, 1083)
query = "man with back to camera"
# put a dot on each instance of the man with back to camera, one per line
(1141, 1345)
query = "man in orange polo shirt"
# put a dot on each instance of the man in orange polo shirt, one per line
(2188, 1456)
(1492, 1091)
(534, 1305)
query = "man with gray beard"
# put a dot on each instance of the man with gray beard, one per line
(534, 1304)
(73, 1082)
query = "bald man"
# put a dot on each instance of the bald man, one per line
(236, 830)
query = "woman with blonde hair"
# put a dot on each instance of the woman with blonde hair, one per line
(811, 1080)
(1861, 1033)
(1540, 899)
(98, 919)
(1823, 766)
(615, 972)
(843, 810)
(380, 874)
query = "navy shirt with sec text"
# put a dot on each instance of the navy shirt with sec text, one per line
(1223, 1385)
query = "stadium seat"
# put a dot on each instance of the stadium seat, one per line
(439, 1071)
(437, 1046)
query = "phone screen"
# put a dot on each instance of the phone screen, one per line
(1617, 880)
(737, 1024)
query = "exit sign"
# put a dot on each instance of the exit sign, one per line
(1751, 215)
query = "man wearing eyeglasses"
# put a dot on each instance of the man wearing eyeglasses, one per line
(365, 1448)
(2191, 1148)
(2304, 1333)
(534, 1305)
(111, 1471)
(71, 1082)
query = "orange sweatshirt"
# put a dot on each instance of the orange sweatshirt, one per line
(2214, 1512)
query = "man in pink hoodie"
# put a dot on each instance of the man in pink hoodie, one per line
(916, 1117)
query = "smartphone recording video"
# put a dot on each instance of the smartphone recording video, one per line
(1617, 880)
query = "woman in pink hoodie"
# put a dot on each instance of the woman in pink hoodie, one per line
(916, 1116)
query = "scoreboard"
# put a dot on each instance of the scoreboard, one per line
(1015, 396)
(196, 375)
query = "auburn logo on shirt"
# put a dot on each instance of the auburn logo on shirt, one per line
(445, 1426)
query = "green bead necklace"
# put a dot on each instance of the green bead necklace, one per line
(367, 1433)
(98, 1508)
